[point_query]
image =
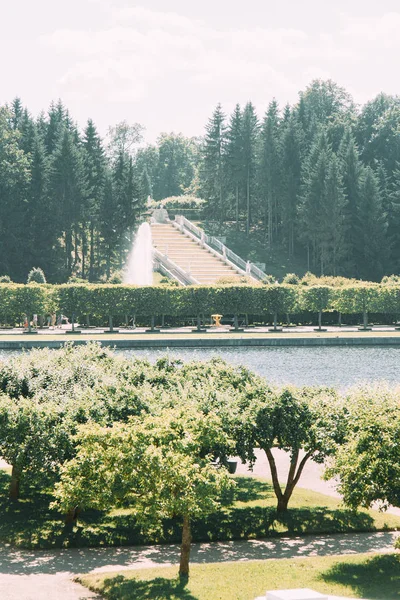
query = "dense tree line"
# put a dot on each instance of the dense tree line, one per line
(67, 203)
(317, 180)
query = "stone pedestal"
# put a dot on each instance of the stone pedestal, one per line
(299, 594)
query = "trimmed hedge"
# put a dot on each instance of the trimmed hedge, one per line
(103, 303)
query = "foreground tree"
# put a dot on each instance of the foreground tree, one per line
(306, 423)
(368, 463)
(159, 465)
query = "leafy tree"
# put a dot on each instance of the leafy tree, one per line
(317, 299)
(306, 423)
(159, 465)
(123, 138)
(368, 462)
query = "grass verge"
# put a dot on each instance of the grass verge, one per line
(362, 576)
(248, 513)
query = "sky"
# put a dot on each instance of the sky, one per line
(167, 64)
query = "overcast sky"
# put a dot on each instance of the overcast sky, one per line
(167, 64)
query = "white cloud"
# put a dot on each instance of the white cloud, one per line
(152, 58)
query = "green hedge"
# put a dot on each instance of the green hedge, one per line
(106, 302)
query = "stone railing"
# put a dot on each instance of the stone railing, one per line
(215, 246)
(172, 270)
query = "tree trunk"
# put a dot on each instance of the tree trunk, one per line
(14, 483)
(185, 549)
(110, 321)
(248, 203)
(365, 319)
(71, 516)
(237, 207)
(275, 320)
(91, 252)
(84, 251)
(235, 322)
(320, 320)
(292, 478)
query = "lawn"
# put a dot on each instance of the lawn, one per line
(249, 513)
(376, 577)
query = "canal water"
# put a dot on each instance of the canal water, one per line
(340, 367)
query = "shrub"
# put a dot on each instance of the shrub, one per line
(291, 279)
(116, 277)
(36, 275)
(5, 279)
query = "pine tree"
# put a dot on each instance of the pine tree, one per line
(235, 159)
(292, 158)
(333, 222)
(68, 186)
(250, 139)
(270, 169)
(44, 228)
(95, 169)
(313, 200)
(212, 173)
(352, 175)
(372, 241)
(14, 180)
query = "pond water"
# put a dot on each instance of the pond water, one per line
(340, 367)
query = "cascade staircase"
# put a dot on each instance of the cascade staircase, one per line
(186, 253)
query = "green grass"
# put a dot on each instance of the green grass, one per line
(30, 523)
(376, 577)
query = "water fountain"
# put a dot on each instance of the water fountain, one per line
(139, 269)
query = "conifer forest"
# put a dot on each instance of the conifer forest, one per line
(319, 179)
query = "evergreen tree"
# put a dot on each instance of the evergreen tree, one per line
(43, 226)
(68, 186)
(95, 169)
(212, 173)
(292, 158)
(235, 160)
(270, 169)
(313, 200)
(250, 139)
(14, 180)
(372, 242)
(333, 222)
(352, 174)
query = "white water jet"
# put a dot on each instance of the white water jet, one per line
(139, 269)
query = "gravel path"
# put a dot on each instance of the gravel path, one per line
(48, 574)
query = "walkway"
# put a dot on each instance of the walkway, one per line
(48, 574)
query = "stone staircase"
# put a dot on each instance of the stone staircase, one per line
(203, 265)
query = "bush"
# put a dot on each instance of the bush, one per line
(179, 202)
(390, 280)
(235, 280)
(291, 279)
(36, 275)
(116, 277)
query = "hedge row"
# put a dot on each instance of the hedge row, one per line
(102, 302)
